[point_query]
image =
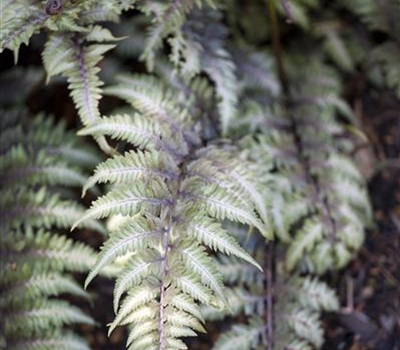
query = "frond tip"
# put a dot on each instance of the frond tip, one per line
(76, 58)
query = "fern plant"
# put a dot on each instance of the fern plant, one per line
(228, 137)
(319, 207)
(78, 39)
(322, 208)
(40, 164)
(72, 26)
(324, 199)
(172, 193)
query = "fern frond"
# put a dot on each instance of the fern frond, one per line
(133, 166)
(137, 268)
(190, 285)
(206, 36)
(37, 263)
(104, 11)
(298, 302)
(160, 103)
(318, 296)
(377, 16)
(255, 71)
(135, 299)
(29, 313)
(306, 325)
(336, 47)
(70, 57)
(46, 137)
(234, 172)
(325, 198)
(185, 303)
(41, 208)
(20, 21)
(169, 215)
(381, 57)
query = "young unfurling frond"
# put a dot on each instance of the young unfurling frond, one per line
(218, 148)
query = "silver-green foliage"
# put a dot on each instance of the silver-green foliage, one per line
(71, 25)
(78, 39)
(350, 47)
(40, 164)
(322, 208)
(173, 190)
(171, 193)
(76, 58)
(202, 47)
(317, 201)
(317, 196)
(277, 306)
